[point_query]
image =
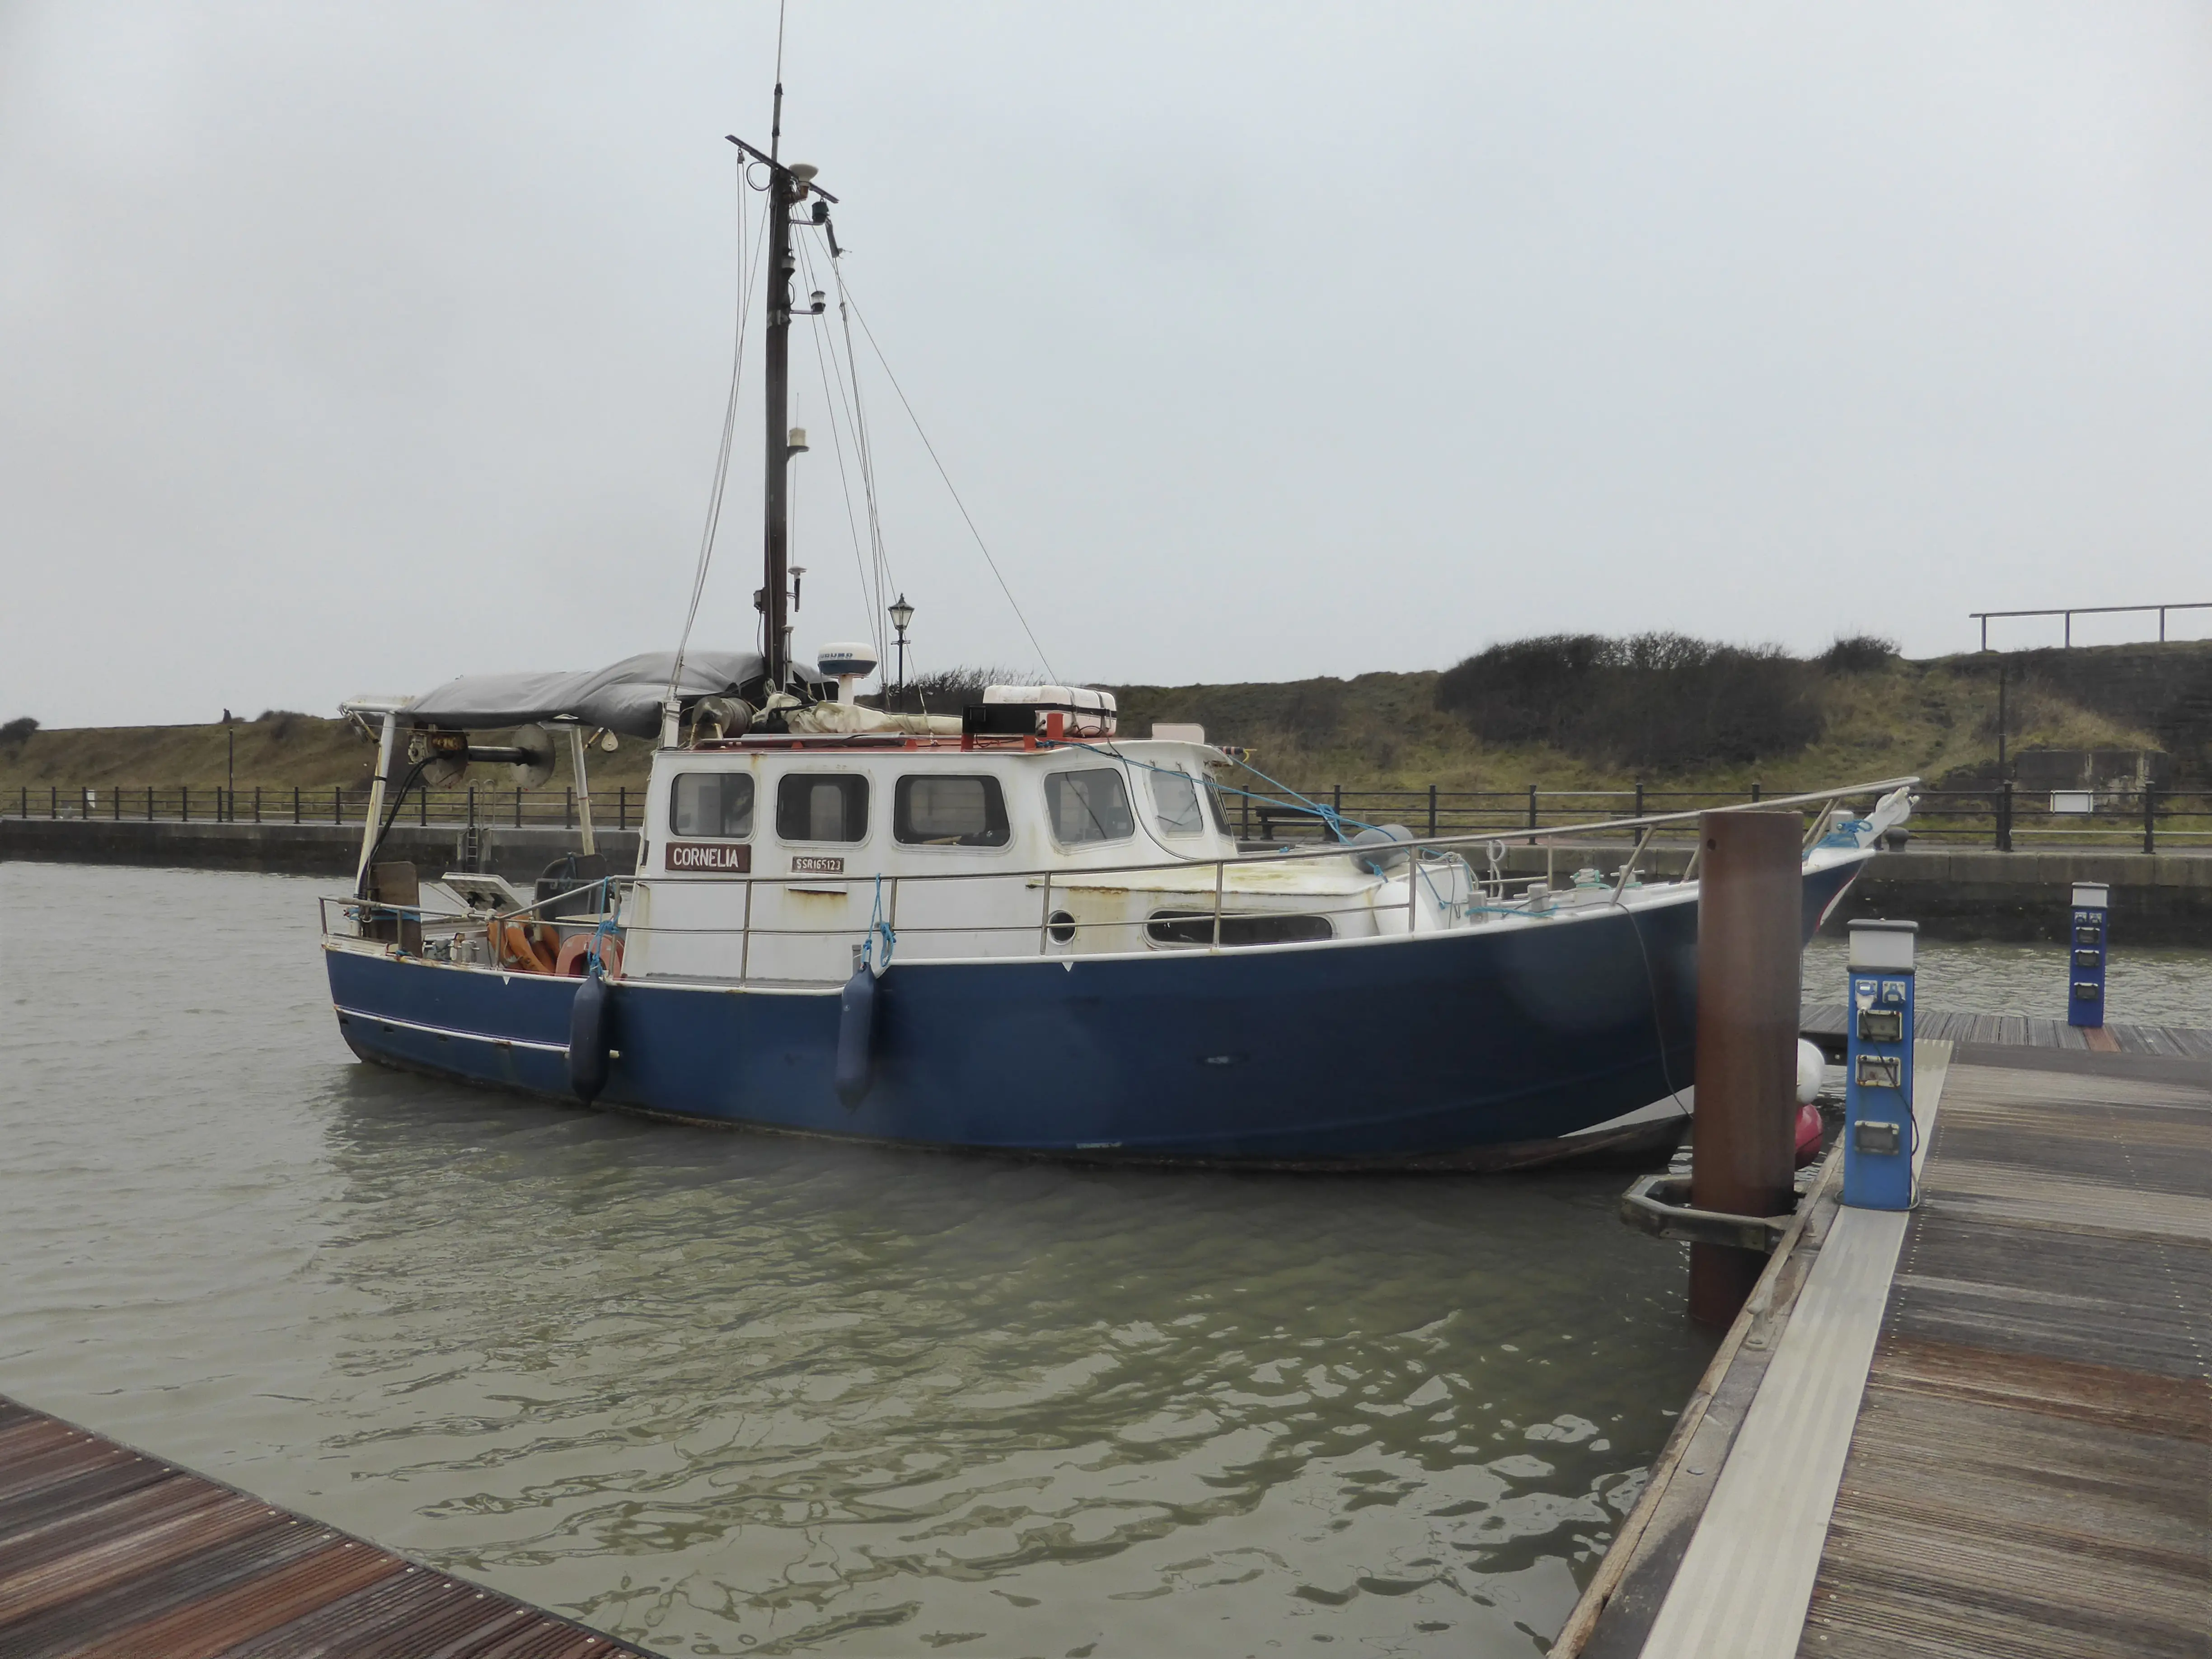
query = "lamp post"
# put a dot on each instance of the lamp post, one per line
(902, 614)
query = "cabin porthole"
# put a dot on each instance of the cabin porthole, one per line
(1061, 926)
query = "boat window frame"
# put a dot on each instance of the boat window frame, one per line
(867, 813)
(752, 805)
(1217, 808)
(1197, 788)
(993, 783)
(1232, 921)
(1119, 775)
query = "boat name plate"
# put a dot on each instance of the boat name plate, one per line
(817, 864)
(735, 858)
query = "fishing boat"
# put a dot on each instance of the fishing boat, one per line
(1011, 929)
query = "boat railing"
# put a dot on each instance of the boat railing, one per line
(1226, 910)
(608, 890)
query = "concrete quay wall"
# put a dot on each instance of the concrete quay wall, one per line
(2164, 898)
(307, 849)
(1977, 893)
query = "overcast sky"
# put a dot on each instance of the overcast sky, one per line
(348, 348)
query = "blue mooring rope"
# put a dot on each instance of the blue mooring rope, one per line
(591, 962)
(878, 925)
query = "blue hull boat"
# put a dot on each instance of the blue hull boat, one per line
(1465, 1048)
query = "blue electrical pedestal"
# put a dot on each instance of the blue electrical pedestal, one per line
(1878, 1067)
(2085, 976)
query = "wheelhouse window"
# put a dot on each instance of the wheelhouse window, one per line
(1175, 802)
(1213, 803)
(1196, 927)
(712, 803)
(822, 806)
(941, 812)
(1091, 805)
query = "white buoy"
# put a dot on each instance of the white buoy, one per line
(1812, 1071)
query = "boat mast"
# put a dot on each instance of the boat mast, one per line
(787, 187)
(776, 498)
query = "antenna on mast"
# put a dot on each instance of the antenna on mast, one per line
(776, 116)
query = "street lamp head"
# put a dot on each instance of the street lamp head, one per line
(902, 613)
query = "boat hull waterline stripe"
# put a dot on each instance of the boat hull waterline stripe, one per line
(345, 1013)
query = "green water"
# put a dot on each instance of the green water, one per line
(723, 1393)
(2147, 984)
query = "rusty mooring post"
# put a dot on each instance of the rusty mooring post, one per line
(1749, 900)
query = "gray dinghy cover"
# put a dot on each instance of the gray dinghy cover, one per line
(624, 698)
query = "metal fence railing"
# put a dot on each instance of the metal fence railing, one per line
(2004, 817)
(2010, 819)
(2149, 820)
(618, 808)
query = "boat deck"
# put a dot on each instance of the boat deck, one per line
(107, 1551)
(1983, 1427)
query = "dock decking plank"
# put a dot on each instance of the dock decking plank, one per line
(105, 1551)
(2032, 1470)
(2029, 1463)
(1826, 1019)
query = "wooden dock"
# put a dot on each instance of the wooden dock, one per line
(105, 1551)
(1981, 1428)
(1824, 1021)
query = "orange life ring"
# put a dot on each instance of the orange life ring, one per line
(576, 951)
(514, 944)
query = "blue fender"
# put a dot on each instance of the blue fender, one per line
(856, 1035)
(587, 1037)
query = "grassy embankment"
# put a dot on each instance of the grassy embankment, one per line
(280, 751)
(1385, 731)
(1377, 731)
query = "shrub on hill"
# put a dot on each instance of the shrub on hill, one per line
(1660, 701)
(16, 732)
(1860, 654)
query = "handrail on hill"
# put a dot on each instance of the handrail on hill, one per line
(2071, 611)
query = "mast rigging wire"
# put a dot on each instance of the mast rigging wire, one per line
(982, 546)
(747, 283)
(871, 592)
(864, 439)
